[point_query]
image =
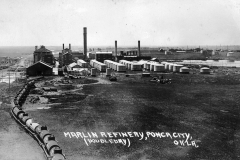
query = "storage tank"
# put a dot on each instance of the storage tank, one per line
(170, 67)
(166, 66)
(129, 65)
(164, 63)
(230, 54)
(121, 68)
(145, 65)
(136, 67)
(176, 67)
(158, 68)
(205, 70)
(108, 72)
(148, 66)
(184, 70)
(152, 66)
(93, 72)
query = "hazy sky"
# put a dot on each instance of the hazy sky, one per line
(153, 22)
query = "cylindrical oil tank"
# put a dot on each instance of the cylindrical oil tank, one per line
(21, 115)
(145, 65)
(50, 145)
(184, 70)
(33, 126)
(166, 66)
(17, 111)
(121, 68)
(39, 129)
(136, 67)
(58, 157)
(205, 70)
(158, 68)
(44, 133)
(108, 72)
(148, 66)
(29, 122)
(48, 138)
(56, 150)
(176, 67)
(152, 66)
(163, 63)
(25, 118)
(93, 72)
(170, 68)
(129, 65)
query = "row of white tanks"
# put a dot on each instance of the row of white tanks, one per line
(98, 65)
(165, 66)
(119, 67)
(133, 66)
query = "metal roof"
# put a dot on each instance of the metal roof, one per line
(41, 63)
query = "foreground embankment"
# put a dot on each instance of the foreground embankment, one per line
(15, 143)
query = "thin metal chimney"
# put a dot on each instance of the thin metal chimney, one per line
(115, 48)
(69, 46)
(139, 53)
(85, 41)
(63, 46)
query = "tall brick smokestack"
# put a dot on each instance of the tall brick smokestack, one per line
(63, 46)
(139, 52)
(115, 48)
(85, 42)
(69, 46)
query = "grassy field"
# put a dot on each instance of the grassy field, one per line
(206, 106)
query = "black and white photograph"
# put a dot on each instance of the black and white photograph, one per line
(119, 80)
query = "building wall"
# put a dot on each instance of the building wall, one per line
(45, 57)
(67, 59)
(101, 57)
(39, 70)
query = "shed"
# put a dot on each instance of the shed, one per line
(39, 69)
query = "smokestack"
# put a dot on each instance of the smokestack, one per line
(139, 53)
(63, 46)
(115, 48)
(36, 47)
(69, 46)
(85, 41)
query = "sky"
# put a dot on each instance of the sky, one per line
(153, 22)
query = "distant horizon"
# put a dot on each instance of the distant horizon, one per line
(123, 46)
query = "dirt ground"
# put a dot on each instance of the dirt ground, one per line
(205, 106)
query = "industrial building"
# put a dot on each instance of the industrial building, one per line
(100, 56)
(66, 57)
(40, 68)
(77, 55)
(44, 55)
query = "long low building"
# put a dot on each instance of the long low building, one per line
(115, 66)
(98, 65)
(40, 69)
